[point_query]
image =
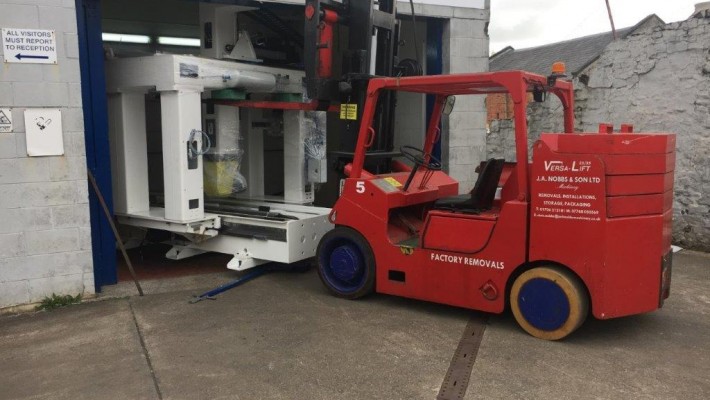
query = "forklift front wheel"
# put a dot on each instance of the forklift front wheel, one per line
(549, 302)
(346, 264)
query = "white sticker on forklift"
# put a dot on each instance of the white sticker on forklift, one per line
(474, 262)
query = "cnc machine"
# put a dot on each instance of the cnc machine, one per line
(213, 167)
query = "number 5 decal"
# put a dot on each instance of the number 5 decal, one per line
(360, 187)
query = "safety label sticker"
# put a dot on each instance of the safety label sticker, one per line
(5, 120)
(348, 112)
(29, 46)
(393, 182)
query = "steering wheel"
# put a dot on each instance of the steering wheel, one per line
(419, 157)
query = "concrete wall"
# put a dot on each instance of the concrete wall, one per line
(45, 239)
(658, 80)
(466, 46)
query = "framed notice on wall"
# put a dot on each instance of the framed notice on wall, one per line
(44, 132)
(29, 46)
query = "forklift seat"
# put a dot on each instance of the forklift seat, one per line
(483, 193)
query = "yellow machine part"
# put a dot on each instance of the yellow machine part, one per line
(220, 177)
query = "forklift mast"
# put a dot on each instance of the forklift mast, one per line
(372, 42)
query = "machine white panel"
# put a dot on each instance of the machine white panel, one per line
(302, 236)
(182, 128)
(129, 152)
(170, 72)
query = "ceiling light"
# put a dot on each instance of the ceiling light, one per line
(124, 38)
(179, 41)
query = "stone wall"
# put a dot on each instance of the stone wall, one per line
(45, 238)
(658, 80)
(500, 142)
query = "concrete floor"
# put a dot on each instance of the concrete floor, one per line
(283, 337)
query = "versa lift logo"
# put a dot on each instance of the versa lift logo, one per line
(559, 166)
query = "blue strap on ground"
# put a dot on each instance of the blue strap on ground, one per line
(209, 295)
(251, 275)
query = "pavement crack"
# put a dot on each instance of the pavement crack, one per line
(145, 351)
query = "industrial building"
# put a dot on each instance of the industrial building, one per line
(88, 85)
(158, 154)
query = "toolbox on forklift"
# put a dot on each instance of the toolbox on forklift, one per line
(585, 227)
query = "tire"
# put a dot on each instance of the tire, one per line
(346, 264)
(549, 302)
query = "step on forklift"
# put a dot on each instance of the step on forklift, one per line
(584, 227)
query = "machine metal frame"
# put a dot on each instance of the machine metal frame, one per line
(181, 82)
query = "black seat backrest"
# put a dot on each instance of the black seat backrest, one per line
(484, 191)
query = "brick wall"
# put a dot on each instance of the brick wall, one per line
(45, 239)
(499, 106)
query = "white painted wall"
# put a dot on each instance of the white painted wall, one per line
(45, 239)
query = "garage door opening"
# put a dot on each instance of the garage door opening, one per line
(184, 167)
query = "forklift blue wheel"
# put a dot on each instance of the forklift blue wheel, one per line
(549, 302)
(346, 264)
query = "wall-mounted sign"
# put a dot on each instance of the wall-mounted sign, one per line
(44, 132)
(5, 120)
(29, 46)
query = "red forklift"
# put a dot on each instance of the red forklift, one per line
(585, 227)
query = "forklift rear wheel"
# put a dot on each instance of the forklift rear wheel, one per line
(346, 264)
(549, 302)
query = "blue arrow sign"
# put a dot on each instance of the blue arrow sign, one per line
(21, 56)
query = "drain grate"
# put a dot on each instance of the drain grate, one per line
(459, 373)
